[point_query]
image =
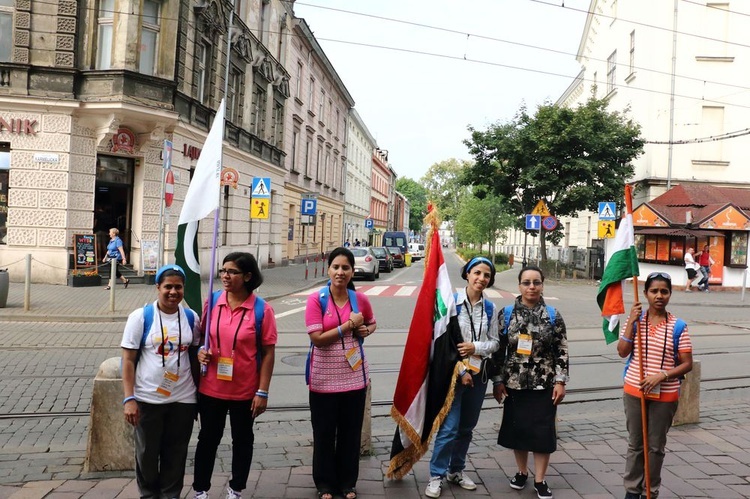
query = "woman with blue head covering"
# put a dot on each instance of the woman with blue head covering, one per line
(478, 324)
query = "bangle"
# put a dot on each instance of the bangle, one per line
(127, 399)
(622, 337)
(341, 334)
(666, 376)
(351, 325)
(261, 394)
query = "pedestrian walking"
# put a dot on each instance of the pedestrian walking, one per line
(666, 353)
(691, 267)
(705, 261)
(338, 320)
(534, 356)
(160, 394)
(116, 251)
(239, 366)
(478, 323)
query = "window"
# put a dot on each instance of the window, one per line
(737, 243)
(258, 123)
(322, 104)
(6, 31)
(149, 37)
(264, 6)
(202, 58)
(4, 178)
(325, 167)
(317, 163)
(712, 125)
(298, 90)
(293, 165)
(632, 51)
(338, 118)
(311, 94)
(277, 123)
(611, 68)
(104, 38)
(233, 94)
(308, 150)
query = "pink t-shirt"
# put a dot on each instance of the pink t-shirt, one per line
(245, 380)
(330, 371)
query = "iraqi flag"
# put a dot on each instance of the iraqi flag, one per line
(429, 367)
(622, 265)
(201, 200)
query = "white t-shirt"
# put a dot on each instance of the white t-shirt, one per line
(149, 372)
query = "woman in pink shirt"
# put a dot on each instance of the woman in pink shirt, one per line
(338, 319)
(237, 375)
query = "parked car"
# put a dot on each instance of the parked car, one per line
(416, 250)
(398, 256)
(366, 263)
(384, 257)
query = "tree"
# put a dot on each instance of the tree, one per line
(445, 186)
(481, 219)
(570, 157)
(417, 196)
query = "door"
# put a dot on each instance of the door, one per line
(113, 199)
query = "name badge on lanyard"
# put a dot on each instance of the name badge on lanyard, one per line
(354, 358)
(168, 382)
(525, 342)
(473, 363)
(225, 368)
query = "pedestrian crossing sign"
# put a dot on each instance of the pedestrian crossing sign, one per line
(261, 187)
(607, 210)
(259, 208)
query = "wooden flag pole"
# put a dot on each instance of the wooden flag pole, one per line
(644, 416)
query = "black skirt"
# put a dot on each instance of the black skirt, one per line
(529, 421)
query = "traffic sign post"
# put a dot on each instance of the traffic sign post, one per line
(169, 189)
(541, 209)
(369, 223)
(261, 187)
(606, 229)
(549, 223)
(607, 210)
(259, 208)
(533, 222)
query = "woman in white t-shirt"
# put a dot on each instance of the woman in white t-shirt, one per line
(160, 396)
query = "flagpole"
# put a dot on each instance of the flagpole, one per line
(206, 342)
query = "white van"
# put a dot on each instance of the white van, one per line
(416, 250)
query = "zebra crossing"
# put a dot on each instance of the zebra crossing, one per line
(412, 290)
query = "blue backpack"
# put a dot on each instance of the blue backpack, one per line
(508, 311)
(489, 308)
(323, 296)
(679, 328)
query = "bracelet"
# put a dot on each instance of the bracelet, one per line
(351, 325)
(341, 334)
(622, 337)
(127, 399)
(499, 382)
(261, 394)
(666, 376)
(461, 374)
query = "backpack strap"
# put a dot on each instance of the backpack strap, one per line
(148, 319)
(260, 308)
(507, 311)
(552, 314)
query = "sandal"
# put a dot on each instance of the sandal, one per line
(324, 494)
(108, 288)
(127, 281)
(350, 493)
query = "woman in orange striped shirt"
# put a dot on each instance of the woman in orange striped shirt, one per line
(667, 357)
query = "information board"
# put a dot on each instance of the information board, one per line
(150, 255)
(85, 251)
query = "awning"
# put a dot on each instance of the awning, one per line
(677, 231)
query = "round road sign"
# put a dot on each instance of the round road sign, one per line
(549, 223)
(169, 189)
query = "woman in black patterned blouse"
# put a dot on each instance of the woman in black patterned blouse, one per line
(532, 379)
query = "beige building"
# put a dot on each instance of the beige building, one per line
(89, 91)
(361, 145)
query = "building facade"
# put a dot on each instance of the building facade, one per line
(317, 124)
(380, 207)
(360, 147)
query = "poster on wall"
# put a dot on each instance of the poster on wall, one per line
(716, 250)
(150, 255)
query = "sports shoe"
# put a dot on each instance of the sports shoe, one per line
(200, 495)
(519, 481)
(461, 480)
(233, 494)
(435, 487)
(542, 491)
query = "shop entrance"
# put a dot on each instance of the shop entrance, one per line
(113, 200)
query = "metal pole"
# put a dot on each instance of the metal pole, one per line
(525, 238)
(744, 283)
(112, 283)
(161, 222)
(671, 99)
(27, 285)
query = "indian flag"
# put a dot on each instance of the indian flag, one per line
(429, 367)
(622, 265)
(202, 199)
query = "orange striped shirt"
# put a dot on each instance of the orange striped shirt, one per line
(658, 345)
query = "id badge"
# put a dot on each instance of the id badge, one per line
(225, 368)
(354, 358)
(655, 393)
(525, 343)
(168, 382)
(473, 363)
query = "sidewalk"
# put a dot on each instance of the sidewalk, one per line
(59, 303)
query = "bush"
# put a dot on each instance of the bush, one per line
(501, 258)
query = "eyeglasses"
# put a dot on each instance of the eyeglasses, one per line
(231, 272)
(663, 275)
(526, 284)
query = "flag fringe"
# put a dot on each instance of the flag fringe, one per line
(402, 463)
(431, 220)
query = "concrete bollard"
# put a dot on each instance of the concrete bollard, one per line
(365, 446)
(110, 444)
(689, 408)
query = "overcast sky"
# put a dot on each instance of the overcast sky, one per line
(418, 106)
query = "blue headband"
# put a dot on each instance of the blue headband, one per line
(169, 267)
(477, 260)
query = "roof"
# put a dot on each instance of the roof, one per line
(701, 196)
(678, 231)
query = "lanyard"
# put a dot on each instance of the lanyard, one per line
(664, 348)
(470, 313)
(218, 337)
(336, 308)
(163, 342)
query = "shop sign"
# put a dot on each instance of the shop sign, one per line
(644, 216)
(19, 126)
(730, 218)
(191, 152)
(230, 177)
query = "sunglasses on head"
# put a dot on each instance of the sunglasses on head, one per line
(663, 275)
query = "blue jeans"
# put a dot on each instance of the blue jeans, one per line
(453, 438)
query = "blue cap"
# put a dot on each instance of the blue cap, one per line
(169, 267)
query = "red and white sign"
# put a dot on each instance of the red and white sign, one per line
(169, 189)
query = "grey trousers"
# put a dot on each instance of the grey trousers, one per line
(659, 419)
(161, 444)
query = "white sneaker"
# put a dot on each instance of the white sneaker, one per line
(462, 480)
(233, 494)
(434, 487)
(200, 495)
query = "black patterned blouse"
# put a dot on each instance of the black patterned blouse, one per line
(548, 362)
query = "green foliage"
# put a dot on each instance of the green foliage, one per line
(501, 258)
(446, 187)
(481, 218)
(417, 196)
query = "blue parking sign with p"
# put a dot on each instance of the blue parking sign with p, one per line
(369, 224)
(309, 207)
